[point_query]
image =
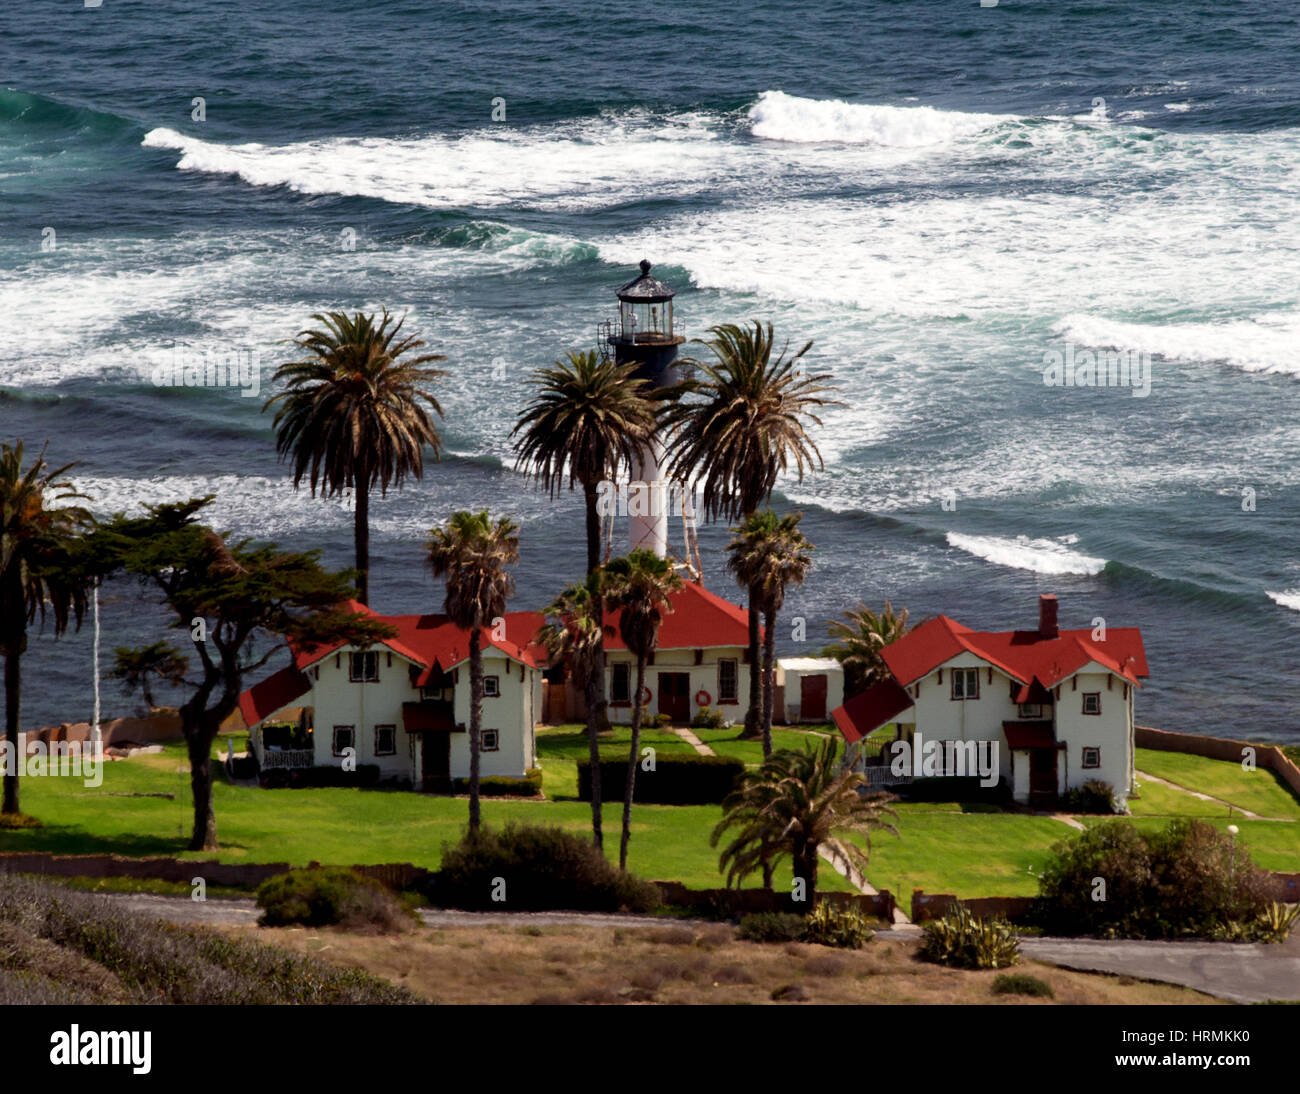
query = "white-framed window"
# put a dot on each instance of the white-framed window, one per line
(1031, 710)
(728, 677)
(965, 683)
(620, 683)
(492, 686)
(345, 737)
(1092, 702)
(490, 740)
(385, 740)
(363, 666)
(1092, 757)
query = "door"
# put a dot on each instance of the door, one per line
(675, 695)
(812, 698)
(437, 761)
(1042, 776)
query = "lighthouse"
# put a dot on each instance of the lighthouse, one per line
(644, 337)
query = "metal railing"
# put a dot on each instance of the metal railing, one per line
(287, 757)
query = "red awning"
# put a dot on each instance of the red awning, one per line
(426, 716)
(869, 710)
(1029, 734)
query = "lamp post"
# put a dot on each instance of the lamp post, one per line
(1232, 850)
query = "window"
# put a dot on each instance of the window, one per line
(344, 737)
(385, 740)
(620, 684)
(965, 683)
(1031, 710)
(491, 686)
(1092, 757)
(363, 666)
(1092, 702)
(728, 674)
(491, 740)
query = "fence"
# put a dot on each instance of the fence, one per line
(1269, 757)
(738, 902)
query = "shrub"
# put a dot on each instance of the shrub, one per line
(771, 927)
(676, 780)
(708, 718)
(502, 786)
(330, 896)
(1021, 983)
(963, 940)
(846, 928)
(663, 720)
(541, 868)
(313, 778)
(1185, 881)
(1094, 796)
(1276, 921)
(18, 820)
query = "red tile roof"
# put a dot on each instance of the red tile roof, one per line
(1025, 656)
(699, 620)
(869, 710)
(273, 694)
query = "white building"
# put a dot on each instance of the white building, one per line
(808, 688)
(1057, 704)
(403, 704)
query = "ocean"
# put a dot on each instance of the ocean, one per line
(949, 199)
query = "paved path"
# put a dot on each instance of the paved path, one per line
(1143, 775)
(692, 740)
(1239, 973)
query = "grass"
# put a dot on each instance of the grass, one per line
(569, 963)
(1158, 800)
(1274, 845)
(1259, 790)
(337, 826)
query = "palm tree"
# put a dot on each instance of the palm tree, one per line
(40, 534)
(572, 635)
(352, 414)
(769, 554)
(795, 802)
(862, 635)
(638, 586)
(748, 427)
(588, 419)
(472, 552)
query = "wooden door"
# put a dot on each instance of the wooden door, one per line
(437, 761)
(1042, 776)
(675, 695)
(812, 698)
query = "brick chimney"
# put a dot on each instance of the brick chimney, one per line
(1047, 616)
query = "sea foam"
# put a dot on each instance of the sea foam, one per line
(1042, 556)
(781, 117)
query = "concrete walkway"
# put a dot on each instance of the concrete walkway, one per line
(1145, 776)
(692, 740)
(1240, 973)
(849, 871)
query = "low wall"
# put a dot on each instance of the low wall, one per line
(936, 905)
(396, 875)
(738, 902)
(1269, 757)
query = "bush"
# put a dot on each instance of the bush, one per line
(502, 786)
(676, 780)
(771, 927)
(15, 821)
(330, 896)
(846, 928)
(1183, 882)
(662, 720)
(1094, 796)
(962, 940)
(314, 778)
(1021, 983)
(535, 869)
(708, 718)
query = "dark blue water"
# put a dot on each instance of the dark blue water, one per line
(940, 195)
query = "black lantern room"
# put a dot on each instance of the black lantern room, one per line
(643, 333)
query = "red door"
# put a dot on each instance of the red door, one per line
(1042, 776)
(812, 698)
(675, 696)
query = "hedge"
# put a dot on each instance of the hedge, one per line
(502, 786)
(315, 777)
(675, 780)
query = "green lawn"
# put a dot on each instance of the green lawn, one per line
(1274, 845)
(1158, 800)
(727, 742)
(333, 826)
(1260, 791)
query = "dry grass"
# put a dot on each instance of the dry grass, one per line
(580, 964)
